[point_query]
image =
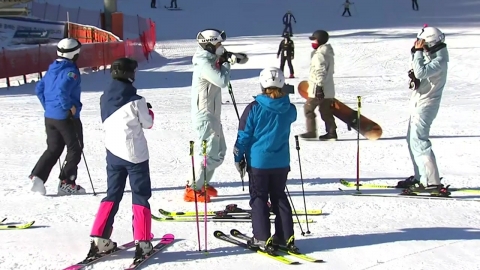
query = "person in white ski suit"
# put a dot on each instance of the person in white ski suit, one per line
(211, 73)
(429, 66)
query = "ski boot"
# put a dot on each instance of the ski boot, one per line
(292, 76)
(142, 250)
(308, 136)
(265, 246)
(405, 184)
(289, 245)
(330, 136)
(414, 189)
(98, 247)
(69, 188)
(439, 190)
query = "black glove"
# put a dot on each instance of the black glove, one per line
(414, 50)
(319, 94)
(149, 105)
(224, 57)
(414, 82)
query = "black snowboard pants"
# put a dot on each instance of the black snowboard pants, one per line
(61, 133)
(153, 4)
(262, 184)
(173, 4)
(287, 59)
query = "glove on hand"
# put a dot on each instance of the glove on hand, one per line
(149, 105)
(239, 58)
(319, 94)
(414, 82)
(241, 167)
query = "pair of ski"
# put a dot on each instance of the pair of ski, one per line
(237, 215)
(17, 226)
(238, 238)
(165, 241)
(413, 195)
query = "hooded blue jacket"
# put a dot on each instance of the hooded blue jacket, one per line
(59, 90)
(264, 133)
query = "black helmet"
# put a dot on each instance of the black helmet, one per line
(321, 36)
(123, 69)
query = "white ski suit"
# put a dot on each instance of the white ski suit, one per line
(207, 83)
(431, 69)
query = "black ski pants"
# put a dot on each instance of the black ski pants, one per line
(347, 11)
(153, 4)
(61, 133)
(262, 184)
(173, 4)
(414, 5)
(287, 59)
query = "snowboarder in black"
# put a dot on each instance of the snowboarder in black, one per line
(286, 52)
(415, 5)
(287, 22)
(346, 9)
(153, 4)
(173, 4)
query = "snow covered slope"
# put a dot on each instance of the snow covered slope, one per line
(356, 233)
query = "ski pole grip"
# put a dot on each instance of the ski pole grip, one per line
(359, 102)
(192, 143)
(297, 144)
(204, 147)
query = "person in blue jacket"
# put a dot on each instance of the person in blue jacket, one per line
(59, 93)
(287, 22)
(263, 142)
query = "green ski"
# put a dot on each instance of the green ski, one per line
(240, 212)
(225, 218)
(283, 249)
(221, 236)
(16, 226)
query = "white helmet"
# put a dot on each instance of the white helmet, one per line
(209, 38)
(272, 77)
(69, 48)
(432, 36)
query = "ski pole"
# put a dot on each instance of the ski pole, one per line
(192, 143)
(295, 211)
(297, 144)
(204, 150)
(232, 97)
(359, 106)
(86, 165)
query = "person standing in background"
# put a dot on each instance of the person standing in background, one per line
(286, 52)
(287, 22)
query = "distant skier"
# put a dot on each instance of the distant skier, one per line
(346, 9)
(415, 5)
(173, 4)
(124, 115)
(153, 4)
(264, 140)
(211, 73)
(321, 88)
(429, 72)
(59, 93)
(286, 52)
(287, 22)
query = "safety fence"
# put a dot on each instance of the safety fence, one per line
(99, 49)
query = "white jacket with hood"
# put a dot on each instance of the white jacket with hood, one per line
(322, 67)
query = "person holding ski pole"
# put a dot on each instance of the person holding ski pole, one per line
(263, 140)
(211, 73)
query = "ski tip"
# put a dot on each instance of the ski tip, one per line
(168, 237)
(235, 232)
(218, 234)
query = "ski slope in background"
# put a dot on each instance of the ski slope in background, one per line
(356, 233)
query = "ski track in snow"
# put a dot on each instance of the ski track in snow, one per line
(356, 233)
